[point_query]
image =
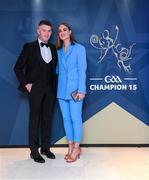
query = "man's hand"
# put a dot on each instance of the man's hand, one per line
(28, 87)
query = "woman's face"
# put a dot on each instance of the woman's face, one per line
(63, 32)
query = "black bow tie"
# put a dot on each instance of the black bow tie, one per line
(44, 44)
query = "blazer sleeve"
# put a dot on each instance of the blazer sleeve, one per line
(57, 67)
(20, 65)
(82, 66)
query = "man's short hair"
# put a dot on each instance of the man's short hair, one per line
(45, 22)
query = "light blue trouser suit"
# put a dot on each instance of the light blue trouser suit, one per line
(72, 117)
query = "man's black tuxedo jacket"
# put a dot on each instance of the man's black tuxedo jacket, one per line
(28, 66)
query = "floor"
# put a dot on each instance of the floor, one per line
(94, 164)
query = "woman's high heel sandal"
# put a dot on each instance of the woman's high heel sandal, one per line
(70, 149)
(75, 155)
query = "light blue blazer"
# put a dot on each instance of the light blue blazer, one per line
(71, 71)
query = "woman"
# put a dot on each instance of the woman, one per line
(72, 77)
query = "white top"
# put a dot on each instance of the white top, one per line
(45, 52)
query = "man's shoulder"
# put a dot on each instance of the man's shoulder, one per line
(30, 44)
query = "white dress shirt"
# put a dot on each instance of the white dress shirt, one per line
(45, 52)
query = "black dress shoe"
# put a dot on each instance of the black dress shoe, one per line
(48, 153)
(37, 158)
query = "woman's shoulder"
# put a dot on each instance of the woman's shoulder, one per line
(79, 46)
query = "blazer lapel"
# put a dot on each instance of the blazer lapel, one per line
(61, 54)
(65, 56)
(38, 52)
(52, 51)
(69, 52)
(53, 56)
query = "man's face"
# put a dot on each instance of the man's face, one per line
(44, 32)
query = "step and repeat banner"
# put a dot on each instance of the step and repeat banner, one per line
(115, 34)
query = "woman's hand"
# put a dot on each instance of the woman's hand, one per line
(80, 96)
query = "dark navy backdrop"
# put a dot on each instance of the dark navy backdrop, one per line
(18, 22)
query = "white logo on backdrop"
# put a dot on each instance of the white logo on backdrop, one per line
(112, 79)
(105, 43)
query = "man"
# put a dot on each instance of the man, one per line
(35, 70)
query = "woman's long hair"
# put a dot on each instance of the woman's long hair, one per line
(59, 42)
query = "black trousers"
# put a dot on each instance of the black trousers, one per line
(41, 104)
